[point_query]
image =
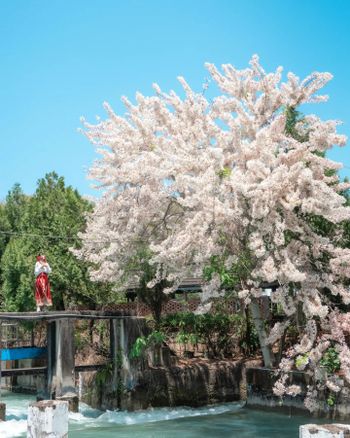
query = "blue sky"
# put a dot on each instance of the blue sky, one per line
(61, 59)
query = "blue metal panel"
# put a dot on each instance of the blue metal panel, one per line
(22, 353)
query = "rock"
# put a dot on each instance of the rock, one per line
(324, 431)
(2, 411)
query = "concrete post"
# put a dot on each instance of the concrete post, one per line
(48, 418)
(46, 394)
(60, 374)
(115, 353)
(324, 431)
(128, 331)
(2, 411)
(72, 399)
(65, 379)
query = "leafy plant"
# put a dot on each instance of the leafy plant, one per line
(138, 348)
(231, 275)
(331, 400)
(218, 331)
(144, 342)
(104, 374)
(301, 361)
(330, 360)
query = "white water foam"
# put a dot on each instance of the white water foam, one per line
(149, 415)
(13, 428)
(88, 418)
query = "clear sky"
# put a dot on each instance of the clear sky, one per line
(61, 59)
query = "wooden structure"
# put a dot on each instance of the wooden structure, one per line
(60, 366)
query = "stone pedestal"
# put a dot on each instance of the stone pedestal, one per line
(2, 411)
(48, 418)
(72, 399)
(324, 431)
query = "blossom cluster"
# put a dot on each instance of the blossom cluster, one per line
(193, 177)
(308, 355)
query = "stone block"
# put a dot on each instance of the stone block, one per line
(2, 411)
(48, 419)
(324, 431)
(72, 399)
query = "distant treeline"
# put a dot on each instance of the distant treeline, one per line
(47, 222)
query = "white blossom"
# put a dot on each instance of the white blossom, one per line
(192, 178)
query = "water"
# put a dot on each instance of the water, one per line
(226, 420)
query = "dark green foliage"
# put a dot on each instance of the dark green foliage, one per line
(218, 331)
(331, 399)
(230, 276)
(48, 222)
(5, 232)
(16, 202)
(293, 116)
(17, 276)
(330, 360)
(156, 338)
(153, 297)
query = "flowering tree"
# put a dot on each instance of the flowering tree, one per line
(196, 178)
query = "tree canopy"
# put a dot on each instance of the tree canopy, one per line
(198, 178)
(47, 222)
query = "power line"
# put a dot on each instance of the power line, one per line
(58, 237)
(48, 236)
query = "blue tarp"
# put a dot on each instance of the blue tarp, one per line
(21, 353)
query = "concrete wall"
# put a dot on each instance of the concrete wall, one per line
(194, 385)
(260, 382)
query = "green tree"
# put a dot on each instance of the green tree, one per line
(17, 276)
(16, 202)
(49, 223)
(5, 230)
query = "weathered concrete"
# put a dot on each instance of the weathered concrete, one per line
(194, 385)
(124, 333)
(324, 431)
(72, 399)
(260, 382)
(60, 366)
(2, 411)
(30, 376)
(48, 419)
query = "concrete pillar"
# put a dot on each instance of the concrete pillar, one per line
(72, 399)
(65, 378)
(2, 411)
(61, 378)
(115, 355)
(46, 393)
(324, 431)
(243, 386)
(113, 327)
(48, 418)
(120, 346)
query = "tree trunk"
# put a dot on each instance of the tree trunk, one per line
(260, 328)
(157, 312)
(154, 299)
(59, 300)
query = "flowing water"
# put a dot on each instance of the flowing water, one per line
(225, 420)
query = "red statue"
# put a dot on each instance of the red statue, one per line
(42, 285)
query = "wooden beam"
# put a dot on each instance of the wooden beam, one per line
(83, 368)
(23, 371)
(56, 315)
(43, 370)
